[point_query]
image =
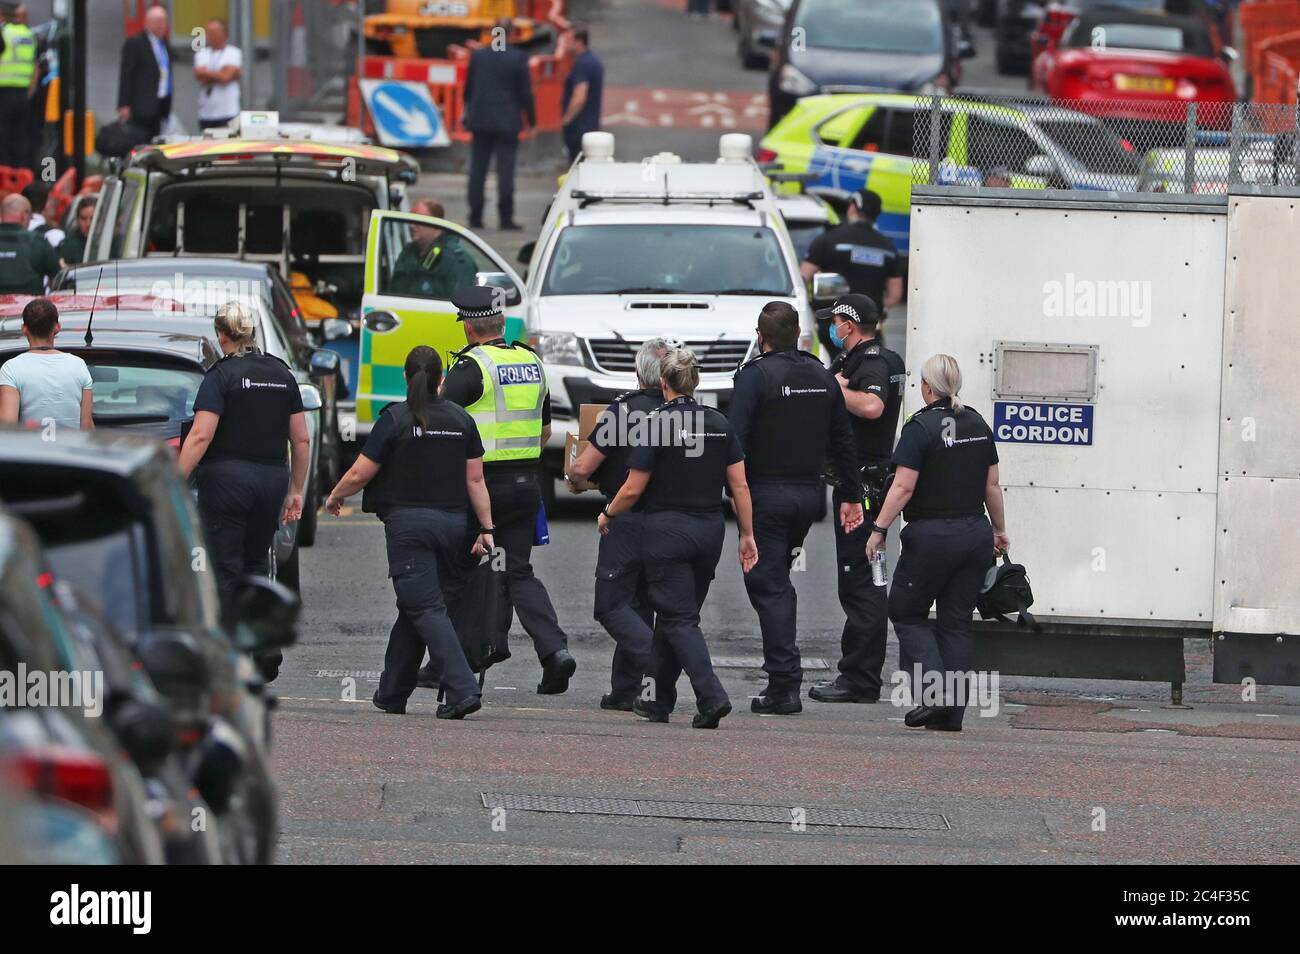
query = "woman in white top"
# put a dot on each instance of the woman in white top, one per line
(43, 385)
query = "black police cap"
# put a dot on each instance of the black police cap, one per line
(856, 308)
(867, 202)
(477, 301)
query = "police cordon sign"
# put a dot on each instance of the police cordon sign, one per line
(1027, 422)
(404, 114)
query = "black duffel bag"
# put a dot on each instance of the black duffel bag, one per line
(1006, 590)
(482, 618)
(116, 139)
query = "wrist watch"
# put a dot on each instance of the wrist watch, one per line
(608, 515)
(880, 530)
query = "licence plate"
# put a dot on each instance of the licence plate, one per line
(1144, 84)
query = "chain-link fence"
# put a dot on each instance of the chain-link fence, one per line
(1121, 146)
(314, 51)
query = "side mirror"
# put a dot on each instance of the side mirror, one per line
(332, 329)
(525, 254)
(267, 614)
(827, 286)
(1040, 166)
(176, 665)
(311, 399)
(965, 50)
(146, 731)
(499, 280)
(324, 363)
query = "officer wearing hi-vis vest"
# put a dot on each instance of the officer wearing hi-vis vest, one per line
(17, 85)
(503, 386)
(871, 378)
(788, 414)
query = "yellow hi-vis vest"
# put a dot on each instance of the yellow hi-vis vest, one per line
(18, 61)
(509, 412)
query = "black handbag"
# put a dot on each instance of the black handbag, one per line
(116, 139)
(1006, 590)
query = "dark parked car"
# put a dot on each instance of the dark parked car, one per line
(117, 523)
(202, 284)
(831, 46)
(146, 319)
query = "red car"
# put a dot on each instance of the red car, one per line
(1123, 65)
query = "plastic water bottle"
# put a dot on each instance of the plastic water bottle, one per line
(879, 572)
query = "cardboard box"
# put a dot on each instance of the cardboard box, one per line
(574, 445)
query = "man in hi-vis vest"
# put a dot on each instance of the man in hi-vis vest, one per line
(18, 74)
(503, 386)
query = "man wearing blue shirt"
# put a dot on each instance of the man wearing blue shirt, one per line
(144, 88)
(583, 88)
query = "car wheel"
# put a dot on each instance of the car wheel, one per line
(310, 514)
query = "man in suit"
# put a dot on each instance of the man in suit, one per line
(144, 86)
(498, 99)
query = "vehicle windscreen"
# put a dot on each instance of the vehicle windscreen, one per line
(802, 235)
(872, 26)
(1103, 34)
(131, 390)
(1092, 146)
(667, 259)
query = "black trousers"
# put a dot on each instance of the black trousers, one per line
(15, 146)
(681, 557)
(426, 563)
(783, 514)
(866, 609)
(942, 564)
(481, 150)
(623, 602)
(516, 498)
(239, 504)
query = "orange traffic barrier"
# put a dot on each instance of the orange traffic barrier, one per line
(1261, 21)
(14, 180)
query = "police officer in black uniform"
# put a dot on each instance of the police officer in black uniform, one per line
(946, 475)
(512, 480)
(622, 592)
(861, 253)
(680, 472)
(422, 468)
(871, 378)
(247, 412)
(788, 413)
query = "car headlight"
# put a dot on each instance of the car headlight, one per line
(794, 82)
(557, 347)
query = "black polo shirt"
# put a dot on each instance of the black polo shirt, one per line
(620, 426)
(688, 459)
(859, 252)
(254, 394)
(952, 454)
(874, 369)
(420, 465)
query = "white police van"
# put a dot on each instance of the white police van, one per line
(656, 247)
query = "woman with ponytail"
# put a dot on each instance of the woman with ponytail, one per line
(247, 411)
(422, 470)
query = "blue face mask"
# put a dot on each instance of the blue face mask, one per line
(835, 337)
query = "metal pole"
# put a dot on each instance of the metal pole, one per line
(1189, 150)
(1234, 146)
(936, 113)
(79, 61)
(248, 43)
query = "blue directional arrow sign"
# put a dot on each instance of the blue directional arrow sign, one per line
(404, 114)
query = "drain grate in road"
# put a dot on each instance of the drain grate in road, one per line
(715, 811)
